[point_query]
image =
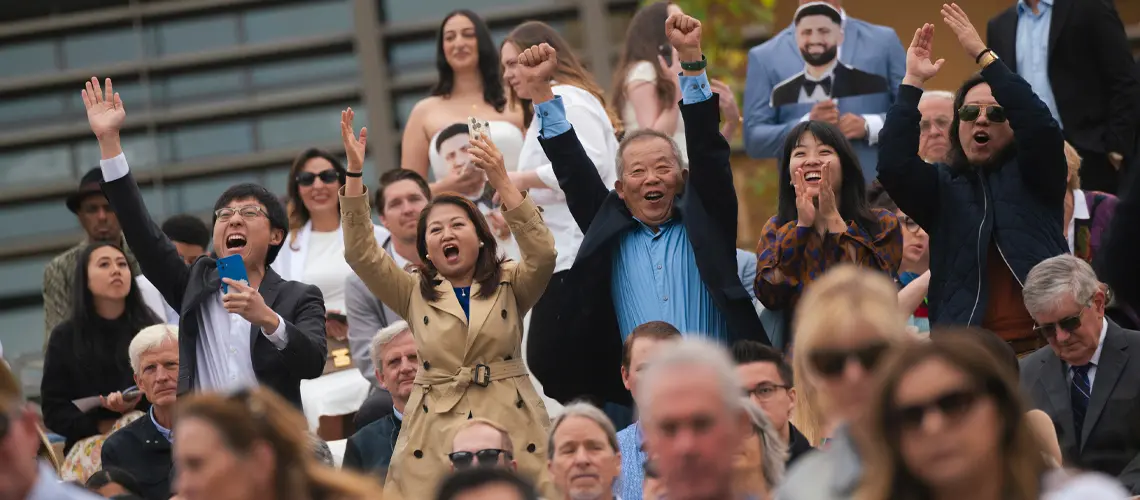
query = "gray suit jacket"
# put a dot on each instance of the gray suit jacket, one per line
(366, 316)
(1110, 438)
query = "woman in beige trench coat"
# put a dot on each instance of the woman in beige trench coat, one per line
(471, 354)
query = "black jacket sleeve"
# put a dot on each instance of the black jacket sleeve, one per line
(911, 182)
(577, 176)
(61, 385)
(307, 348)
(710, 170)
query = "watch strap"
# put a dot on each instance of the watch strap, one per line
(695, 66)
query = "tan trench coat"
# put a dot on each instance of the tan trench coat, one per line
(453, 351)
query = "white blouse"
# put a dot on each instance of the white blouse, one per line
(644, 71)
(318, 259)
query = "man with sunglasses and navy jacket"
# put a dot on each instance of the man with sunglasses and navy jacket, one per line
(996, 209)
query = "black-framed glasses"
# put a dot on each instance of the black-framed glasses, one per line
(830, 362)
(482, 458)
(247, 212)
(952, 405)
(970, 112)
(941, 122)
(909, 224)
(1070, 324)
(327, 176)
(765, 390)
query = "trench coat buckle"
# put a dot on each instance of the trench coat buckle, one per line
(481, 376)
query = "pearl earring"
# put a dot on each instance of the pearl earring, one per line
(428, 256)
(480, 244)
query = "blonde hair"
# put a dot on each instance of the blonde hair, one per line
(845, 298)
(1073, 160)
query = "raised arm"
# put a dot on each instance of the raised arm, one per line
(387, 281)
(911, 182)
(155, 253)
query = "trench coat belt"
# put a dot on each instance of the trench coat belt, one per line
(452, 385)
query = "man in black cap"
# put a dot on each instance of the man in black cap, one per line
(100, 224)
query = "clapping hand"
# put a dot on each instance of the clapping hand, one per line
(828, 205)
(805, 205)
(536, 67)
(919, 67)
(684, 33)
(959, 23)
(354, 147)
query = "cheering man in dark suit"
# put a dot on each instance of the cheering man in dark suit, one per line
(1075, 55)
(268, 331)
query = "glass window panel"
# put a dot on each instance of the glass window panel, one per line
(133, 95)
(101, 47)
(394, 11)
(178, 88)
(143, 151)
(27, 59)
(329, 68)
(298, 20)
(404, 105)
(303, 128)
(277, 180)
(199, 195)
(22, 110)
(23, 339)
(50, 163)
(50, 217)
(23, 276)
(411, 57)
(212, 139)
(196, 35)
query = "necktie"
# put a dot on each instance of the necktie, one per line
(1079, 394)
(809, 86)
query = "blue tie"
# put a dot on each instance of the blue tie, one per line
(1080, 396)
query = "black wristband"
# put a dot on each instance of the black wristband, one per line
(978, 60)
(350, 173)
(695, 66)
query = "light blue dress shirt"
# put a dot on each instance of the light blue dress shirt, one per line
(655, 275)
(1032, 45)
(166, 433)
(629, 484)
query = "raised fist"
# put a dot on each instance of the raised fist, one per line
(536, 65)
(684, 33)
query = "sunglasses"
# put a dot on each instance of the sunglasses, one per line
(329, 176)
(970, 112)
(484, 458)
(952, 406)
(832, 362)
(1069, 324)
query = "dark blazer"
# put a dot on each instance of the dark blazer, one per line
(1110, 438)
(369, 450)
(142, 451)
(1090, 69)
(582, 356)
(847, 82)
(190, 287)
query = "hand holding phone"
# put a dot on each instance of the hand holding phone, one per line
(232, 267)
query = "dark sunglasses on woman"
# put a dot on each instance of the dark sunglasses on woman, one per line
(483, 458)
(830, 362)
(328, 176)
(952, 405)
(970, 112)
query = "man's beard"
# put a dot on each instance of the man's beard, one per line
(823, 58)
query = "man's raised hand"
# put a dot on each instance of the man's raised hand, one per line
(960, 24)
(684, 33)
(105, 112)
(919, 67)
(536, 66)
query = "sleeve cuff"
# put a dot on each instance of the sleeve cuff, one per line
(695, 89)
(522, 215)
(552, 117)
(909, 95)
(354, 209)
(874, 126)
(115, 168)
(280, 336)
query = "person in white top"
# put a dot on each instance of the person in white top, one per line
(597, 129)
(646, 88)
(469, 84)
(314, 250)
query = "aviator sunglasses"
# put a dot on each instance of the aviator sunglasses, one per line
(1069, 324)
(329, 176)
(830, 362)
(484, 458)
(970, 112)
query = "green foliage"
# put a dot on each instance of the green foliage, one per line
(724, 23)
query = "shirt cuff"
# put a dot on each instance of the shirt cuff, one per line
(115, 168)
(806, 117)
(552, 118)
(874, 125)
(695, 89)
(280, 336)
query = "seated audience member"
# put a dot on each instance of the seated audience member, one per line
(1084, 380)
(584, 456)
(113, 482)
(693, 418)
(760, 457)
(937, 110)
(281, 324)
(451, 143)
(638, 349)
(947, 422)
(914, 271)
(253, 445)
(87, 354)
(836, 360)
(823, 220)
(485, 483)
(396, 362)
(640, 233)
(189, 234)
(22, 476)
(142, 448)
(478, 442)
(767, 379)
(994, 211)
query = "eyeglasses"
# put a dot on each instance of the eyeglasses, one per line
(248, 213)
(765, 390)
(484, 458)
(952, 405)
(970, 112)
(941, 122)
(1069, 324)
(329, 176)
(909, 224)
(831, 362)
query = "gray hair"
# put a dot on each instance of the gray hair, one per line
(682, 356)
(384, 337)
(587, 411)
(321, 450)
(937, 94)
(773, 450)
(1055, 278)
(149, 338)
(641, 135)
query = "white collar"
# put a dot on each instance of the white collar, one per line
(1095, 360)
(1080, 205)
(827, 74)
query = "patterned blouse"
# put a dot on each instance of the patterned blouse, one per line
(791, 257)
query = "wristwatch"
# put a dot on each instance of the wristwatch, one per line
(986, 58)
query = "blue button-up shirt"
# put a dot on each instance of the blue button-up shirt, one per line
(655, 275)
(1033, 51)
(633, 458)
(166, 433)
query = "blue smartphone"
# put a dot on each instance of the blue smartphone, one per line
(232, 267)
